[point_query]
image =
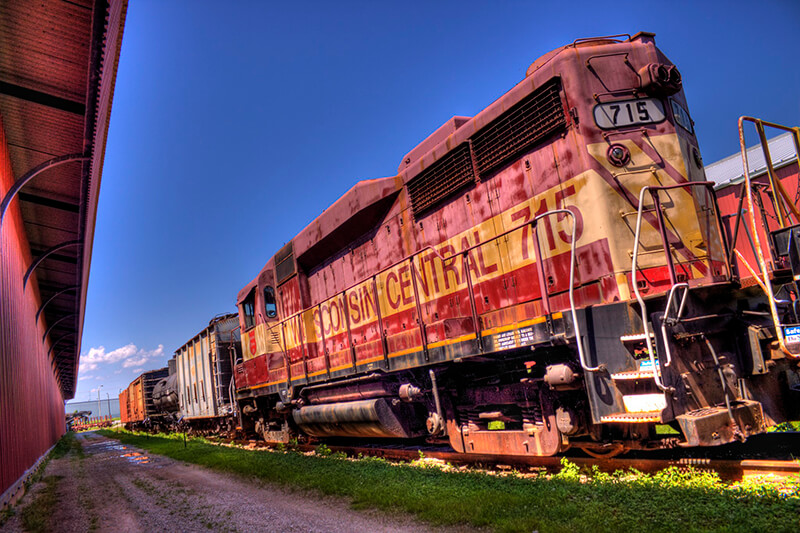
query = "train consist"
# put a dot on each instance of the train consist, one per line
(195, 390)
(553, 272)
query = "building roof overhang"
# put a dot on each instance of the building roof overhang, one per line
(58, 65)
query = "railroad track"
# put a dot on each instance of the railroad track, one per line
(729, 469)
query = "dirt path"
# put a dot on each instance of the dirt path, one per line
(112, 487)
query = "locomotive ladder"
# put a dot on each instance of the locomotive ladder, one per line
(784, 242)
(647, 407)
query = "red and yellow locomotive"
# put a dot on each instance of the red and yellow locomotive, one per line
(552, 272)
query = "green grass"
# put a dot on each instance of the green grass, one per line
(663, 429)
(68, 443)
(35, 516)
(786, 426)
(567, 502)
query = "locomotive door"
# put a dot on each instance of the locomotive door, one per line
(514, 202)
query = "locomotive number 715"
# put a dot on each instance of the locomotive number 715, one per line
(628, 112)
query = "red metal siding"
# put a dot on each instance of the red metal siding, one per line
(123, 407)
(728, 198)
(31, 405)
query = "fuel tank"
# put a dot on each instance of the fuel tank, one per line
(377, 417)
(165, 395)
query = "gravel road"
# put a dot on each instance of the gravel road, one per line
(119, 488)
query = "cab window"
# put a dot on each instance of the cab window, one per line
(270, 307)
(249, 310)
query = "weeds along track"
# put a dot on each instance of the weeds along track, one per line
(775, 455)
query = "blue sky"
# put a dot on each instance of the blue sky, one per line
(236, 123)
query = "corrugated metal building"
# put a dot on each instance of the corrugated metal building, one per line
(58, 64)
(730, 171)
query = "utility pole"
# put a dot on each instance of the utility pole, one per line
(99, 405)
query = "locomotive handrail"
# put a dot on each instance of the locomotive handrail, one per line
(634, 267)
(465, 254)
(590, 39)
(575, 324)
(678, 314)
(533, 223)
(766, 284)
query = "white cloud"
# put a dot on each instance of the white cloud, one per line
(130, 355)
(134, 361)
(86, 367)
(85, 377)
(99, 355)
(143, 356)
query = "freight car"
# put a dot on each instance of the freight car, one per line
(137, 406)
(551, 272)
(203, 377)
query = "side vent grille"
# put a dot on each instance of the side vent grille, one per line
(446, 176)
(528, 122)
(284, 263)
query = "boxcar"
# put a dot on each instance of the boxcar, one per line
(136, 401)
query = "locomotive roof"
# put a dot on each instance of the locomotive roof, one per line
(362, 206)
(58, 68)
(368, 200)
(459, 129)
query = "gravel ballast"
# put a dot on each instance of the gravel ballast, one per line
(114, 487)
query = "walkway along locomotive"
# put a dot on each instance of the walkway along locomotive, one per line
(551, 272)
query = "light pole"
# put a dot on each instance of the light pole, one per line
(99, 405)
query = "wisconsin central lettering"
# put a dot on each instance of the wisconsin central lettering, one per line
(431, 275)
(361, 305)
(435, 277)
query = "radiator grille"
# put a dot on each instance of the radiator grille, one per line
(439, 181)
(529, 121)
(284, 263)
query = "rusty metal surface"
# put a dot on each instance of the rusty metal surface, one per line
(138, 397)
(729, 195)
(203, 367)
(428, 273)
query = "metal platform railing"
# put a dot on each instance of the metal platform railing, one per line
(784, 208)
(674, 283)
